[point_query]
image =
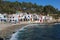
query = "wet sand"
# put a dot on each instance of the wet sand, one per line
(7, 29)
(6, 32)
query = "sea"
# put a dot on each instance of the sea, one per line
(38, 32)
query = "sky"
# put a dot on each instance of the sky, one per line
(54, 3)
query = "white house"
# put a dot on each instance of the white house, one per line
(13, 18)
(3, 17)
(21, 16)
(35, 17)
(27, 17)
(49, 18)
(41, 19)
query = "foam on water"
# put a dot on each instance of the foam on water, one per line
(14, 36)
(57, 23)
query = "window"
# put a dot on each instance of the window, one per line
(4, 16)
(10, 17)
(10, 20)
(13, 17)
(13, 20)
(28, 16)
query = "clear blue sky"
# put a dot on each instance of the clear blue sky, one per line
(55, 3)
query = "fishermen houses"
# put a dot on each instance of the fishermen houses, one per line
(43, 18)
(27, 17)
(3, 17)
(19, 17)
(35, 17)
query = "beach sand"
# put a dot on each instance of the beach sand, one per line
(7, 29)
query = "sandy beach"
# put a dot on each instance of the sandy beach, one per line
(7, 29)
(5, 25)
(7, 32)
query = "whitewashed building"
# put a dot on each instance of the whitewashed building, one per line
(13, 18)
(35, 17)
(3, 17)
(27, 17)
(45, 18)
(41, 18)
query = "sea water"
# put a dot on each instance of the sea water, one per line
(38, 32)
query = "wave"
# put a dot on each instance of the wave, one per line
(57, 23)
(23, 29)
(15, 36)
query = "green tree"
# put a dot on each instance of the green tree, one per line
(49, 9)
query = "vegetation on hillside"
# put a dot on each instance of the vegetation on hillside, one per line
(11, 7)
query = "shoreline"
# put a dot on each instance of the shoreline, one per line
(6, 32)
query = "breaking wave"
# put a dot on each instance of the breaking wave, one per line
(37, 32)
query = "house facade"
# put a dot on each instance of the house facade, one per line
(43, 18)
(19, 17)
(3, 17)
